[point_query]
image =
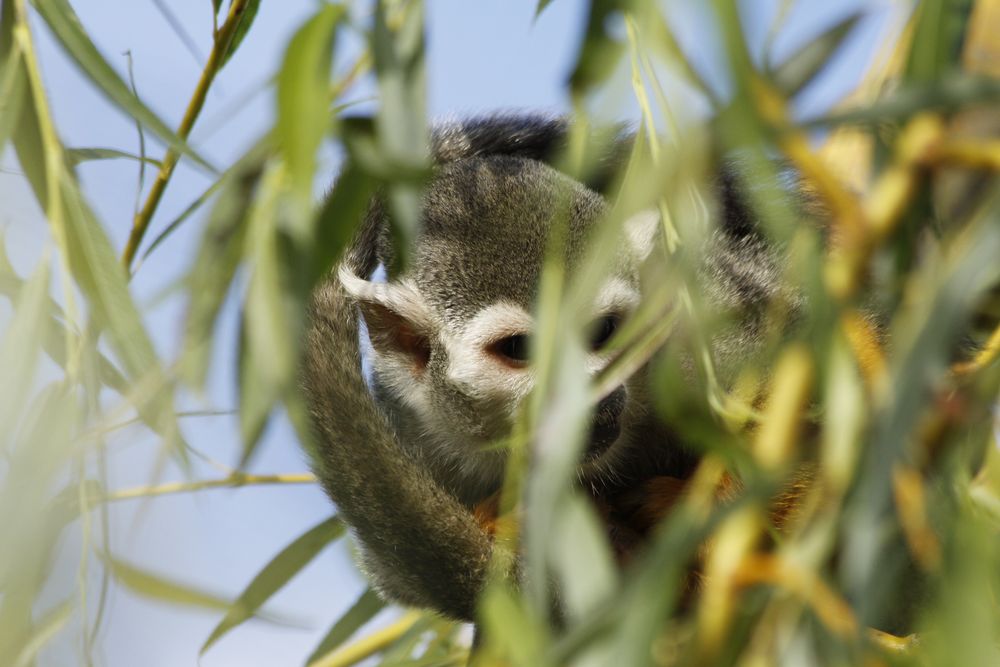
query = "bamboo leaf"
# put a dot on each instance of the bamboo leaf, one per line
(802, 67)
(540, 7)
(219, 255)
(303, 101)
(362, 611)
(43, 632)
(78, 155)
(163, 589)
(401, 125)
(12, 93)
(20, 344)
(55, 331)
(102, 279)
(63, 21)
(937, 40)
(278, 572)
(339, 217)
(246, 20)
(271, 319)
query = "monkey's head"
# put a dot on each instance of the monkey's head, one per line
(452, 335)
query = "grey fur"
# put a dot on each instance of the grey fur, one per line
(405, 477)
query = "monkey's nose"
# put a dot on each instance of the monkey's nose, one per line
(606, 425)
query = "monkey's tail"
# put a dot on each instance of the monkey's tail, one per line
(422, 547)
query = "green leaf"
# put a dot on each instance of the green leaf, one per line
(55, 334)
(599, 50)
(43, 632)
(802, 67)
(77, 155)
(100, 275)
(12, 93)
(275, 575)
(272, 317)
(245, 19)
(937, 38)
(219, 255)
(540, 7)
(62, 20)
(401, 123)
(303, 98)
(339, 217)
(362, 611)
(161, 588)
(216, 6)
(20, 345)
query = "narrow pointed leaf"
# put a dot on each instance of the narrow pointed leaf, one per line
(78, 155)
(802, 67)
(246, 19)
(63, 21)
(276, 574)
(19, 346)
(303, 98)
(362, 611)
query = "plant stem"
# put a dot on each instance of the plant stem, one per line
(370, 645)
(231, 481)
(223, 40)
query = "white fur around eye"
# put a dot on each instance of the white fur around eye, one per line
(616, 297)
(475, 370)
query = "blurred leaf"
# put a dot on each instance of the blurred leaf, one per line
(584, 562)
(937, 40)
(215, 264)
(401, 121)
(246, 20)
(540, 7)
(55, 331)
(19, 346)
(78, 155)
(63, 22)
(254, 156)
(102, 279)
(271, 318)
(275, 575)
(258, 394)
(363, 610)
(922, 336)
(946, 94)
(43, 632)
(29, 517)
(303, 97)
(161, 588)
(600, 50)
(339, 217)
(12, 92)
(216, 6)
(802, 67)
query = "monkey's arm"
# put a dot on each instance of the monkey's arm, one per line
(422, 547)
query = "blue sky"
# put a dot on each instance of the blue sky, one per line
(482, 55)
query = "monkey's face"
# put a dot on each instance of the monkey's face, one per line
(452, 337)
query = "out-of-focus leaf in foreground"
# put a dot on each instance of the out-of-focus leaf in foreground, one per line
(276, 574)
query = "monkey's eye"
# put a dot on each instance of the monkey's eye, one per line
(512, 349)
(602, 330)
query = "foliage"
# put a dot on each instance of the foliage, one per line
(894, 423)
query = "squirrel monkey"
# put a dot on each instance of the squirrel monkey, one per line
(408, 460)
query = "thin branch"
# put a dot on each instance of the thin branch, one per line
(232, 481)
(370, 645)
(220, 49)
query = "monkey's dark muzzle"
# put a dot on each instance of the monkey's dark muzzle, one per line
(606, 425)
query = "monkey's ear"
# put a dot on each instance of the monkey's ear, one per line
(398, 320)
